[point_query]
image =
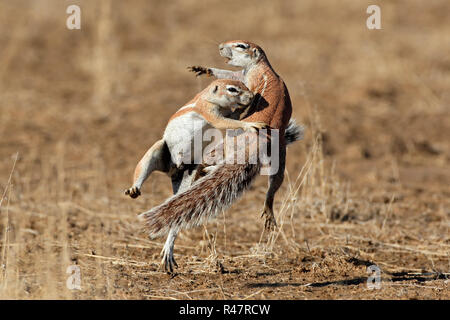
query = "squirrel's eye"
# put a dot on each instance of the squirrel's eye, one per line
(232, 89)
(241, 46)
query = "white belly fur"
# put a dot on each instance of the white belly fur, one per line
(179, 137)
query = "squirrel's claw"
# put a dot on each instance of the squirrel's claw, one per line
(198, 70)
(270, 223)
(133, 192)
(168, 261)
(254, 126)
(261, 125)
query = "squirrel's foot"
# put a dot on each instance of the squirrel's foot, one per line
(270, 223)
(254, 126)
(168, 261)
(133, 192)
(198, 70)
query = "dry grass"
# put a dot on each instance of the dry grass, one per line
(369, 184)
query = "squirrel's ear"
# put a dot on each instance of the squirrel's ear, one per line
(256, 52)
(215, 89)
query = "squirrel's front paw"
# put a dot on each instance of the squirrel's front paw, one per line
(133, 192)
(200, 70)
(253, 126)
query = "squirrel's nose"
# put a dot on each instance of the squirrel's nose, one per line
(221, 46)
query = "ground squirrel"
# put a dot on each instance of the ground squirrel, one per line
(226, 182)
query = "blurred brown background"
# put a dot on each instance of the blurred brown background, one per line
(80, 107)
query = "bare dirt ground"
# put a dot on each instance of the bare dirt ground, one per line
(369, 185)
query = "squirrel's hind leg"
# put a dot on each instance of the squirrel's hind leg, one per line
(156, 158)
(168, 261)
(181, 181)
(275, 182)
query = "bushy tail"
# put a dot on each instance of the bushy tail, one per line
(294, 132)
(206, 198)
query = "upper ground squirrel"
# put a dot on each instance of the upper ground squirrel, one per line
(223, 185)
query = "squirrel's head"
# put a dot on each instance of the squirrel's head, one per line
(241, 53)
(229, 93)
